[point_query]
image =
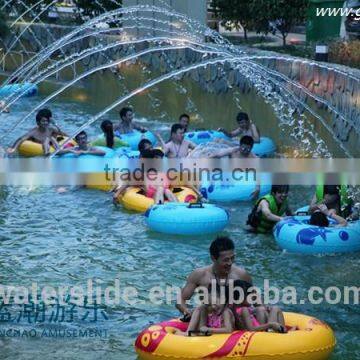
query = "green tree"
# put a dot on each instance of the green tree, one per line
(236, 13)
(283, 13)
(94, 8)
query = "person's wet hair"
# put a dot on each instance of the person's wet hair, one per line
(221, 243)
(238, 284)
(43, 113)
(157, 153)
(152, 154)
(331, 189)
(242, 116)
(184, 116)
(319, 219)
(108, 129)
(277, 189)
(124, 111)
(81, 133)
(142, 144)
(247, 140)
(175, 128)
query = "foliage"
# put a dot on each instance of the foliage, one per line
(234, 12)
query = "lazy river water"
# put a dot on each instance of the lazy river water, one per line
(65, 239)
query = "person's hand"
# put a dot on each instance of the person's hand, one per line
(255, 194)
(204, 329)
(323, 208)
(276, 326)
(10, 150)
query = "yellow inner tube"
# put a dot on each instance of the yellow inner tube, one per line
(134, 198)
(31, 148)
(314, 340)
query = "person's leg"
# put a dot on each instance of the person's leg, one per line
(194, 323)
(261, 314)
(170, 196)
(159, 195)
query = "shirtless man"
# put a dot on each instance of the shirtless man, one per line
(246, 127)
(177, 147)
(184, 121)
(126, 124)
(222, 252)
(43, 133)
(83, 147)
(240, 152)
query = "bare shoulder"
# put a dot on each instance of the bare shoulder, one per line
(198, 275)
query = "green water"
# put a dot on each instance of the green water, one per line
(65, 239)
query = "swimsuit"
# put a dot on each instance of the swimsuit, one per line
(214, 321)
(254, 321)
(152, 188)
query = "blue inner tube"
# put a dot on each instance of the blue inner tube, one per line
(30, 89)
(239, 190)
(133, 138)
(85, 163)
(127, 152)
(186, 219)
(265, 148)
(296, 235)
(202, 137)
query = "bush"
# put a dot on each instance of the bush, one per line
(345, 52)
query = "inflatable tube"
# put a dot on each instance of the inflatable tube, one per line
(228, 193)
(205, 136)
(101, 141)
(240, 190)
(30, 148)
(265, 148)
(84, 163)
(30, 89)
(296, 235)
(314, 340)
(133, 138)
(127, 152)
(186, 219)
(134, 198)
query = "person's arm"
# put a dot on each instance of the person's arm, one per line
(94, 151)
(187, 292)
(288, 211)
(255, 133)
(20, 140)
(227, 327)
(247, 320)
(166, 149)
(256, 192)
(160, 140)
(224, 152)
(68, 151)
(118, 191)
(192, 146)
(313, 205)
(139, 128)
(341, 222)
(56, 131)
(232, 133)
(227, 133)
(264, 207)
